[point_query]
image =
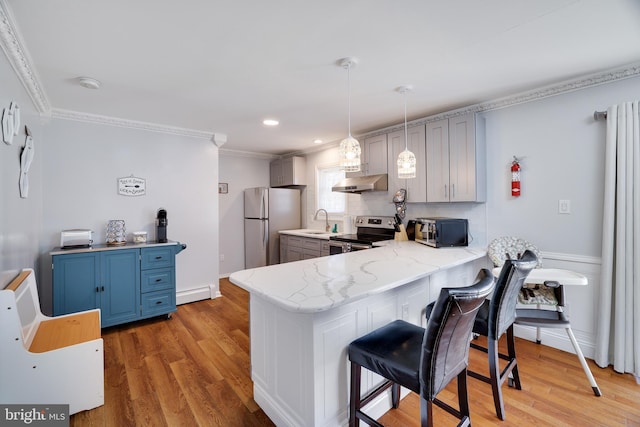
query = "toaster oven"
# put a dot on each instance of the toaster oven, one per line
(440, 232)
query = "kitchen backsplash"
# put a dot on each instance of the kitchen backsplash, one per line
(379, 203)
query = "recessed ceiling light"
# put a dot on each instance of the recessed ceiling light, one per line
(89, 83)
(270, 122)
(317, 141)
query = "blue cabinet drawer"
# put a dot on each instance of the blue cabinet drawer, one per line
(157, 279)
(157, 257)
(160, 302)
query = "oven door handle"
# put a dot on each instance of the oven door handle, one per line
(348, 245)
(360, 246)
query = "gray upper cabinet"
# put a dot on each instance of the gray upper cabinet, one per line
(288, 172)
(373, 156)
(416, 187)
(455, 160)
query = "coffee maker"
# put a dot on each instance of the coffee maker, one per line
(161, 226)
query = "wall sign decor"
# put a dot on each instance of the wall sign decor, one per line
(132, 186)
(223, 187)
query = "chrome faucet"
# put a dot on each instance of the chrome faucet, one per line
(326, 219)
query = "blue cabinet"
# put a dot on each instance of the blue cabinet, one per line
(158, 281)
(76, 281)
(126, 284)
(120, 287)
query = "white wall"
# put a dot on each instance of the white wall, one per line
(19, 218)
(562, 151)
(240, 172)
(82, 162)
(73, 185)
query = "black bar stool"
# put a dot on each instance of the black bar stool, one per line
(495, 318)
(423, 360)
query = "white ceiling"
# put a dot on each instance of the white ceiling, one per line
(224, 66)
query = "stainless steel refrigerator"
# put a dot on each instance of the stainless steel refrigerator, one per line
(267, 211)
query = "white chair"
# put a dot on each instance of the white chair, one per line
(543, 287)
(48, 360)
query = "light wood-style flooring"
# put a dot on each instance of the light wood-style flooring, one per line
(194, 370)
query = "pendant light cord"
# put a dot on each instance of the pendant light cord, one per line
(406, 138)
(349, 96)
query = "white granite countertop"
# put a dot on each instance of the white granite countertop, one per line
(319, 284)
(312, 233)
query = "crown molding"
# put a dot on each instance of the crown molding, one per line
(18, 57)
(595, 79)
(58, 113)
(320, 147)
(587, 81)
(250, 154)
(219, 139)
(20, 61)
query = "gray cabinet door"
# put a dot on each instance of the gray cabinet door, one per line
(416, 187)
(437, 153)
(462, 159)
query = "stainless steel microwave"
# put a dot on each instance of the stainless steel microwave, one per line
(441, 232)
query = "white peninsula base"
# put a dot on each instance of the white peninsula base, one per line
(304, 314)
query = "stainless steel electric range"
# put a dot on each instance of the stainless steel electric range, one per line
(369, 230)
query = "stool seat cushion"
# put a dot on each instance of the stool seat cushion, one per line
(377, 351)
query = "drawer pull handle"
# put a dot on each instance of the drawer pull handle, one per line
(102, 289)
(97, 288)
(158, 257)
(158, 302)
(158, 280)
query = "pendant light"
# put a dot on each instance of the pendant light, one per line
(406, 159)
(349, 147)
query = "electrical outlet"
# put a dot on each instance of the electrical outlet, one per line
(221, 257)
(564, 206)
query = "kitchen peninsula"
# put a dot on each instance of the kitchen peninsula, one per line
(304, 314)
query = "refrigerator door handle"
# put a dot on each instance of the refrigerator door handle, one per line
(265, 234)
(262, 212)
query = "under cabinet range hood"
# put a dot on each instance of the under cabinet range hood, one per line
(360, 184)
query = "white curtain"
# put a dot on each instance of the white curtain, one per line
(618, 328)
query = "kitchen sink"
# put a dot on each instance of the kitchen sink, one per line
(310, 232)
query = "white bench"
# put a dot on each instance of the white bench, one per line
(48, 360)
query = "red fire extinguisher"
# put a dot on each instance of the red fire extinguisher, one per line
(515, 177)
